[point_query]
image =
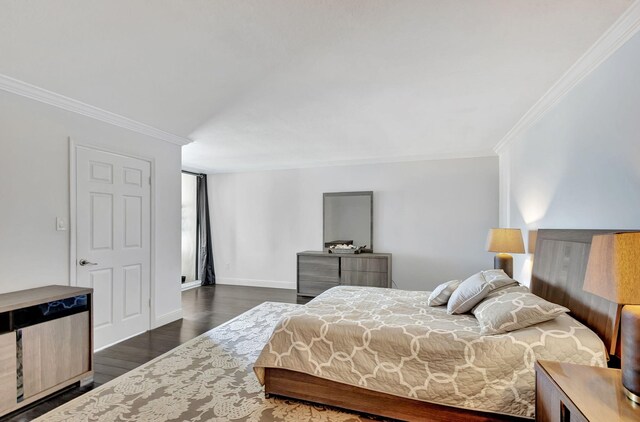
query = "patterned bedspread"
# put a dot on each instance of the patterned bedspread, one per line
(390, 341)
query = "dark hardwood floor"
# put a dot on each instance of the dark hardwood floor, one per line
(203, 309)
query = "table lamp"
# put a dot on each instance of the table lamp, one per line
(613, 272)
(504, 242)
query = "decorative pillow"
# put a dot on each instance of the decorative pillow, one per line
(514, 310)
(442, 293)
(493, 275)
(501, 291)
(475, 288)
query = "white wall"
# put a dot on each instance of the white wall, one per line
(432, 215)
(34, 189)
(579, 166)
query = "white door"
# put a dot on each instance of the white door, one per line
(113, 243)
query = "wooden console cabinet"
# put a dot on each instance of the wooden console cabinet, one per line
(319, 271)
(46, 343)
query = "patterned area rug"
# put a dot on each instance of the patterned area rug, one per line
(209, 378)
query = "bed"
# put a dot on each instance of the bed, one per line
(384, 352)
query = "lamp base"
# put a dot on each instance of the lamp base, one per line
(633, 397)
(504, 262)
(630, 333)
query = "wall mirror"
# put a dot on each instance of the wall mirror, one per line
(348, 219)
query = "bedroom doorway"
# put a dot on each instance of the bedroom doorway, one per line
(111, 240)
(189, 277)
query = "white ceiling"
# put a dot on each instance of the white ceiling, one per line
(261, 84)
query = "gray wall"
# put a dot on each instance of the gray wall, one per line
(579, 166)
(34, 190)
(433, 216)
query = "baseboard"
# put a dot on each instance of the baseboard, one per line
(190, 285)
(167, 318)
(274, 284)
(117, 341)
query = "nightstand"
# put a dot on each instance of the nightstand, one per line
(566, 392)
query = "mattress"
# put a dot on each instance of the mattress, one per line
(390, 341)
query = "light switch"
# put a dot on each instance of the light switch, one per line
(61, 224)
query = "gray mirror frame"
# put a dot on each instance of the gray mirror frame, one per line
(368, 193)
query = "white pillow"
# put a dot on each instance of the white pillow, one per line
(442, 293)
(511, 288)
(475, 288)
(495, 275)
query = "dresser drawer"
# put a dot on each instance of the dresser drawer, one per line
(378, 265)
(362, 278)
(325, 269)
(314, 288)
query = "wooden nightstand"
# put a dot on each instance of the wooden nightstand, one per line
(566, 392)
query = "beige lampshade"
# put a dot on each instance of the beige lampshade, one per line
(505, 240)
(613, 270)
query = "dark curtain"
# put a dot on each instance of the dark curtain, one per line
(206, 273)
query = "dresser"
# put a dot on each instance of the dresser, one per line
(46, 343)
(566, 392)
(319, 271)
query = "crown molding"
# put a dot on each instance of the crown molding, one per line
(33, 92)
(459, 155)
(620, 32)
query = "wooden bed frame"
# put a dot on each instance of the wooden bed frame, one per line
(558, 273)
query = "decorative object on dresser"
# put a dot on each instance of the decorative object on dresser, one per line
(342, 248)
(613, 272)
(570, 392)
(319, 271)
(348, 215)
(46, 343)
(505, 242)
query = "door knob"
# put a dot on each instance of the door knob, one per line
(84, 262)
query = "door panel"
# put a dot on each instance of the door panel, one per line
(101, 221)
(132, 176)
(113, 220)
(132, 221)
(100, 172)
(101, 281)
(132, 290)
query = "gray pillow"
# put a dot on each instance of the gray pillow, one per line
(495, 275)
(475, 288)
(514, 310)
(501, 291)
(441, 294)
